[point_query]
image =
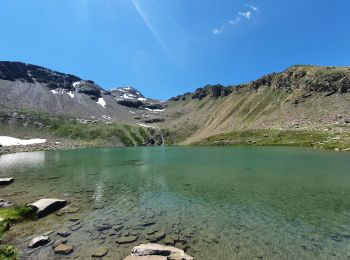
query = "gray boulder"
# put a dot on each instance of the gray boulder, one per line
(151, 249)
(64, 249)
(148, 257)
(39, 241)
(44, 207)
(5, 181)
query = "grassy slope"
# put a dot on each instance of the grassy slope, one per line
(40, 124)
(268, 137)
(210, 120)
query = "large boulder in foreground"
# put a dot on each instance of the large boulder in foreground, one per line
(148, 257)
(39, 241)
(5, 181)
(151, 249)
(44, 207)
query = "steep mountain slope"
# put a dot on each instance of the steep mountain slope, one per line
(25, 85)
(303, 105)
(301, 98)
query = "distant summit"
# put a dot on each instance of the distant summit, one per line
(127, 93)
(25, 85)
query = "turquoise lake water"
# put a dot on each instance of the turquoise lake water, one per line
(214, 202)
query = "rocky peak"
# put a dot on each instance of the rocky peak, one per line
(28, 73)
(307, 79)
(213, 91)
(131, 97)
(127, 93)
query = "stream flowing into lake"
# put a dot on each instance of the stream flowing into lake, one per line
(213, 202)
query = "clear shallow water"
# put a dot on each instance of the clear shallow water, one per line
(216, 202)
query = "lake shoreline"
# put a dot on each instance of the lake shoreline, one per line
(52, 146)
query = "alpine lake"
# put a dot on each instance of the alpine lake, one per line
(213, 202)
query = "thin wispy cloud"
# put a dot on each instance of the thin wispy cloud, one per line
(254, 8)
(217, 31)
(244, 14)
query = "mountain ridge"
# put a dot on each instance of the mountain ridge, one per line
(300, 98)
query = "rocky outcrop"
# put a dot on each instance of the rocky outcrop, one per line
(18, 71)
(28, 73)
(306, 79)
(90, 89)
(44, 207)
(39, 241)
(151, 249)
(127, 93)
(6, 181)
(148, 257)
(328, 80)
(132, 103)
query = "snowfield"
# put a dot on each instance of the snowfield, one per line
(101, 102)
(10, 141)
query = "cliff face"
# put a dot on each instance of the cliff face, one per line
(299, 98)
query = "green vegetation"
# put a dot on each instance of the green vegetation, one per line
(269, 137)
(8, 217)
(13, 215)
(8, 252)
(62, 126)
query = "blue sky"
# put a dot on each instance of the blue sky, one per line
(168, 47)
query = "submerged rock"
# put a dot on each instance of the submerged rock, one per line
(172, 253)
(5, 181)
(59, 242)
(44, 207)
(148, 257)
(100, 252)
(63, 233)
(104, 227)
(126, 239)
(64, 249)
(155, 237)
(39, 241)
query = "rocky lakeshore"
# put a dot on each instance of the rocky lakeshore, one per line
(48, 146)
(67, 239)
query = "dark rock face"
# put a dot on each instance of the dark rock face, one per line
(153, 105)
(213, 91)
(154, 120)
(18, 71)
(89, 89)
(329, 80)
(307, 79)
(13, 71)
(130, 103)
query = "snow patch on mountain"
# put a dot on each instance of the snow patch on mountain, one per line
(76, 84)
(70, 93)
(101, 102)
